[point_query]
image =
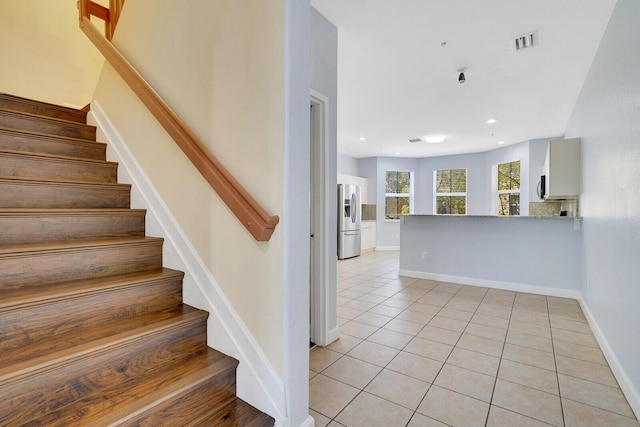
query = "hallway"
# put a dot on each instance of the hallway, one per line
(417, 352)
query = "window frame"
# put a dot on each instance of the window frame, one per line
(408, 195)
(450, 194)
(495, 193)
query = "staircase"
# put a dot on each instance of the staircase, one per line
(93, 330)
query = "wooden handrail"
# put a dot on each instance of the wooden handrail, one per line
(254, 217)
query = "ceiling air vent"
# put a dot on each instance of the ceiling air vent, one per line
(525, 41)
(414, 140)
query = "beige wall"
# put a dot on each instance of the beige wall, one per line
(45, 55)
(220, 66)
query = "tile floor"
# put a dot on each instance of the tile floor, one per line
(425, 353)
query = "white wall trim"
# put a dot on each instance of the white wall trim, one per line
(628, 388)
(508, 286)
(333, 335)
(257, 381)
(388, 248)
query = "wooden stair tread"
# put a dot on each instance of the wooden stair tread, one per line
(44, 355)
(18, 103)
(48, 137)
(14, 299)
(47, 119)
(25, 180)
(69, 211)
(108, 406)
(236, 413)
(53, 157)
(74, 245)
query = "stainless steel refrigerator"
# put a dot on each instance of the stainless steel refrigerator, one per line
(348, 221)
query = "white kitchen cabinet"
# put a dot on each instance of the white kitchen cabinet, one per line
(562, 169)
(368, 235)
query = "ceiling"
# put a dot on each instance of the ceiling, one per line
(398, 78)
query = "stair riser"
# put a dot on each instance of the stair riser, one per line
(40, 228)
(48, 126)
(18, 194)
(33, 107)
(23, 401)
(51, 145)
(63, 170)
(26, 325)
(49, 267)
(193, 403)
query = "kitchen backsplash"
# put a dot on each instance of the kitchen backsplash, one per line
(368, 212)
(547, 208)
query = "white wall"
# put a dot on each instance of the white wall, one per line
(347, 165)
(606, 117)
(45, 55)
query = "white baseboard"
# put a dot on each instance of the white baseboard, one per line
(628, 388)
(333, 335)
(257, 381)
(309, 422)
(387, 248)
(508, 286)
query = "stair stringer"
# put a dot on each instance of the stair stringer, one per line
(257, 381)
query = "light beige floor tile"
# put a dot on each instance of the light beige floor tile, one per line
(574, 337)
(320, 420)
(415, 316)
(594, 394)
(358, 329)
(444, 336)
(499, 417)
(496, 322)
(320, 358)
(373, 353)
(425, 308)
(348, 312)
(529, 356)
(342, 300)
(474, 361)
(453, 313)
(386, 310)
(530, 328)
(531, 308)
(530, 341)
(419, 420)
(576, 351)
(579, 415)
(496, 303)
(483, 331)
(488, 310)
(524, 316)
(415, 366)
(368, 410)
(570, 325)
(397, 302)
(391, 339)
(569, 314)
(453, 408)
(481, 345)
(586, 370)
(354, 372)
(448, 323)
(312, 373)
(373, 319)
(343, 321)
(398, 388)
(384, 291)
(433, 300)
(350, 294)
(427, 348)
(406, 296)
(403, 326)
(372, 298)
(530, 376)
(462, 306)
(360, 305)
(344, 344)
(328, 396)
(527, 401)
(463, 381)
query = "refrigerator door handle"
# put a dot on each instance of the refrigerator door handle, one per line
(353, 208)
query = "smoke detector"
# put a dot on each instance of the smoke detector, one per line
(524, 41)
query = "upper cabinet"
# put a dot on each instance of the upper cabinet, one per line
(562, 169)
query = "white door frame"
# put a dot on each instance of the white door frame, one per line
(319, 150)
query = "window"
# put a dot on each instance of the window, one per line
(450, 191)
(508, 188)
(398, 192)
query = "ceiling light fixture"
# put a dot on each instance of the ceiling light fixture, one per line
(500, 142)
(491, 121)
(461, 76)
(362, 138)
(397, 154)
(434, 139)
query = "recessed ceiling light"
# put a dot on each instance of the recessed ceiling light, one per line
(500, 142)
(397, 154)
(362, 138)
(491, 121)
(434, 139)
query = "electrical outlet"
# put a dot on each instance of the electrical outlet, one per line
(424, 255)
